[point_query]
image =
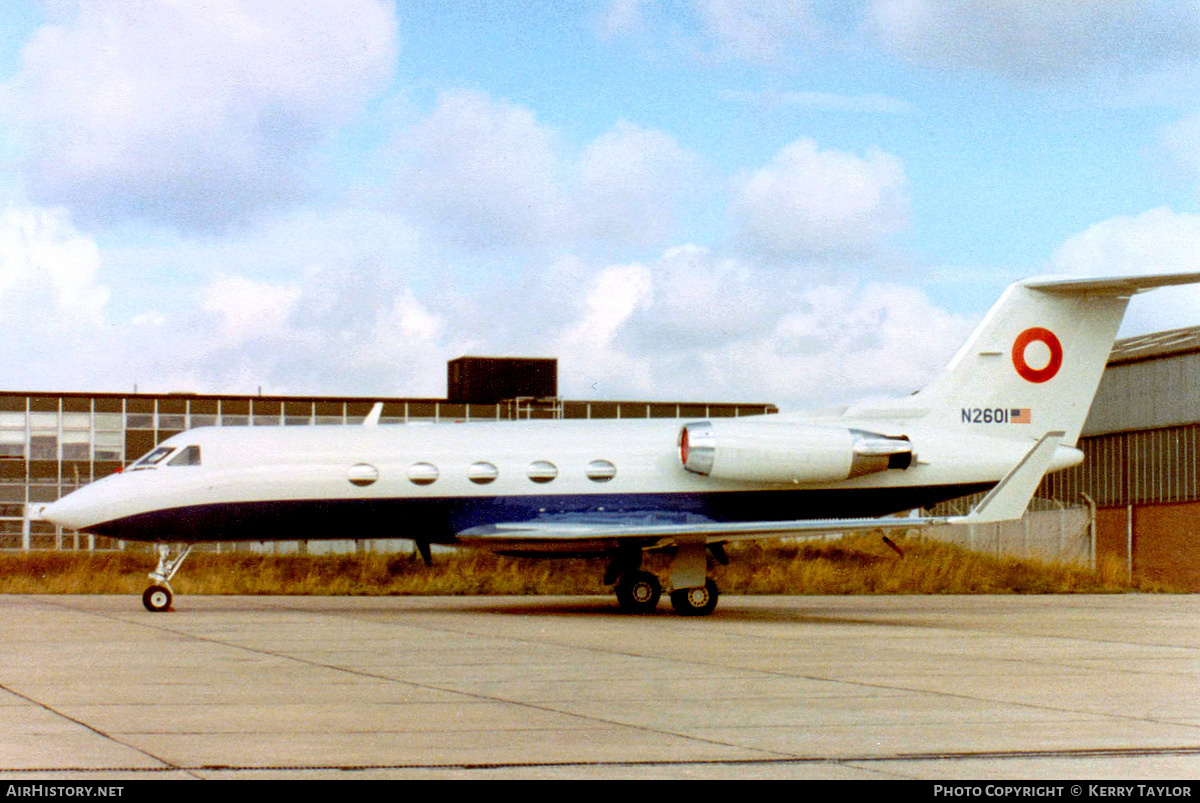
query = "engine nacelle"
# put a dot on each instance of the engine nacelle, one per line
(766, 451)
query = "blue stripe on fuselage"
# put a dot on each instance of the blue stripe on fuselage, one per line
(438, 519)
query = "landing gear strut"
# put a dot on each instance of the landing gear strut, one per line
(157, 598)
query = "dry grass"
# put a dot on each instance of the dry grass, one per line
(855, 565)
(865, 565)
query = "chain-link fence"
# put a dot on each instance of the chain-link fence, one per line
(1050, 530)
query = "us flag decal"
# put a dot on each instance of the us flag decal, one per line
(1021, 415)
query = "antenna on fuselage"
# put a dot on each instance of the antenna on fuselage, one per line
(372, 419)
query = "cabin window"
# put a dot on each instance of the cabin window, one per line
(601, 471)
(362, 474)
(482, 473)
(423, 473)
(188, 456)
(542, 471)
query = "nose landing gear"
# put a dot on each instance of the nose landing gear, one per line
(158, 597)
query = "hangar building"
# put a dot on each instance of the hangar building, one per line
(1141, 468)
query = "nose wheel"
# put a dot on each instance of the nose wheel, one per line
(157, 599)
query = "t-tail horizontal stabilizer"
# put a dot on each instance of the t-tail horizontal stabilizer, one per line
(1010, 497)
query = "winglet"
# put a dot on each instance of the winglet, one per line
(372, 419)
(1010, 497)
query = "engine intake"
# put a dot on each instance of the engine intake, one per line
(770, 451)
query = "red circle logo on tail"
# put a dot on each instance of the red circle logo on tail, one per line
(1039, 335)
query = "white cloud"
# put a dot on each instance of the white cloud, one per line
(588, 355)
(693, 325)
(765, 32)
(1156, 241)
(484, 171)
(757, 32)
(844, 342)
(43, 257)
(1038, 40)
(1180, 141)
(248, 309)
(810, 203)
(190, 114)
(361, 313)
(488, 174)
(872, 103)
(319, 303)
(621, 17)
(631, 181)
(51, 301)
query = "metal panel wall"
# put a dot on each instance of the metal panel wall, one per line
(1162, 392)
(1156, 465)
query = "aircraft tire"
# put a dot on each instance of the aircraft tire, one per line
(698, 601)
(639, 592)
(157, 599)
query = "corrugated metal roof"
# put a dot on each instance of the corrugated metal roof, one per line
(1151, 381)
(1155, 345)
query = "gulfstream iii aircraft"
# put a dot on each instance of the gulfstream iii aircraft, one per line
(1007, 408)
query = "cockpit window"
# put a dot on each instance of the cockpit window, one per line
(188, 456)
(153, 458)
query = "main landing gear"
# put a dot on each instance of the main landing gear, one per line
(695, 601)
(693, 594)
(157, 598)
(638, 592)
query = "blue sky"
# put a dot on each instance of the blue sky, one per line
(802, 202)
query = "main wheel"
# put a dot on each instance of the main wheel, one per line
(698, 601)
(157, 599)
(639, 592)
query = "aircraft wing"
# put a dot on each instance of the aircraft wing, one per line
(1006, 501)
(582, 536)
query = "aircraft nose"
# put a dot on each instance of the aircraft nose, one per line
(73, 511)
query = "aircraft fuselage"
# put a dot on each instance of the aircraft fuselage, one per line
(433, 481)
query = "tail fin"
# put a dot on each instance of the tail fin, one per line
(1037, 357)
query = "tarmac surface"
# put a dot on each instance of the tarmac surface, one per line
(952, 688)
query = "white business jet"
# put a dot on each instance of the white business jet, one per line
(1008, 408)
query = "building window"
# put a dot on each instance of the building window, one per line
(43, 447)
(172, 421)
(12, 443)
(76, 451)
(108, 445)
